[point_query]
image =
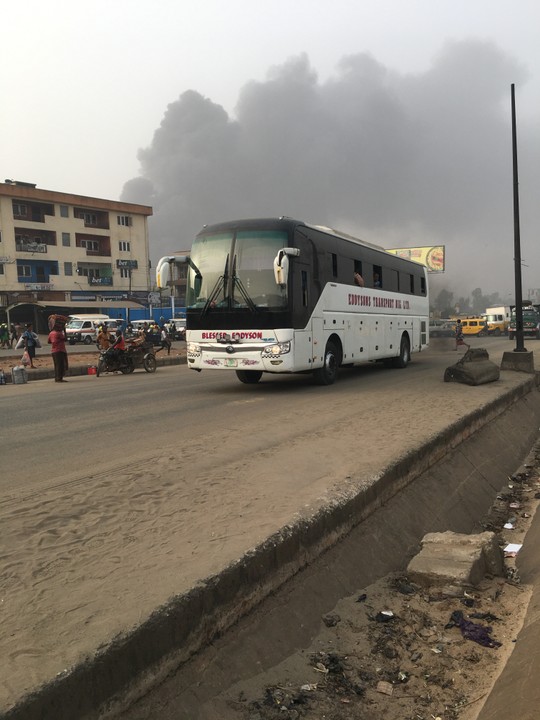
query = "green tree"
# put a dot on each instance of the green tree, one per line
(443, 304)
(478, 301)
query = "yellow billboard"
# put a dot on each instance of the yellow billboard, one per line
(432, 256)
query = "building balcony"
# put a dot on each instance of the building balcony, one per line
(31, 247)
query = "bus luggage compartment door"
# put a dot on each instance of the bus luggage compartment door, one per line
(308, 344)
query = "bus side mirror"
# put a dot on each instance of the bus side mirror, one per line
(163, 271)
(281, 264)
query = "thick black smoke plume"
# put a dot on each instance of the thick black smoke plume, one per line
(397, 159)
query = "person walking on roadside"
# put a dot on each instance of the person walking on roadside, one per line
(459, 335)
(164, 340)
(30, 343)
(57, 340)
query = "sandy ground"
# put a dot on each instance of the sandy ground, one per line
(417, 665)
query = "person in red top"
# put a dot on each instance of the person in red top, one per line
(118, 347)
(57, 339)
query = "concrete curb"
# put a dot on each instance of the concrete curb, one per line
(178, 629)
(76, 369)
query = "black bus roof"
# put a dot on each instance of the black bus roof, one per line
(290, 224)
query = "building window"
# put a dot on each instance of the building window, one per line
(125, 272)
(19, 209)
(53, 270)
(89, 218)
(124, 246)
(24, 270)
(90, 245)
(68, 268)
(66, 240)
(1, 269)
(64, 211)
(124, 220)
(88, 272)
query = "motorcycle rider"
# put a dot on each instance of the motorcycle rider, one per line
(104, 339)
(118, 348)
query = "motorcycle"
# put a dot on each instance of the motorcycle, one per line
(111, 360)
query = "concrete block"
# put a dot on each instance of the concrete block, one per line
(520, 361)
(474, 368)
(454, 559)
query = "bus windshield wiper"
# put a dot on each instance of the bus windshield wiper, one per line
(236, 282)
(221, 283)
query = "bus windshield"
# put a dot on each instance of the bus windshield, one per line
(236, 270)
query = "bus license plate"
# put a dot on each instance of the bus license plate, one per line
(231, 362)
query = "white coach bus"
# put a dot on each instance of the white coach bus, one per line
(282, 296)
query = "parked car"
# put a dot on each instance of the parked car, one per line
(474, 326)
(83, 328)
(442, 328)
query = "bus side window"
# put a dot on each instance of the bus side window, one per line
(304, 288)
(411, 279)
(377, 276)
(334, 265)
(423, 285)
(358, 275)
(391, 280)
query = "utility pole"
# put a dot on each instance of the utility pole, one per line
(517, 239)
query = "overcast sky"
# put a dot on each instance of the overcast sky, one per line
(387, 119)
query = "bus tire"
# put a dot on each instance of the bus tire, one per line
(402, 360)
(327, 374)
(249, 377)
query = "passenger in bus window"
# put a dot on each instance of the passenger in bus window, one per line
(358, 279)
(376, 280)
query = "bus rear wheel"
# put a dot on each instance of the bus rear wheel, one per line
(402, 360)
(327, 374)
(249, 377)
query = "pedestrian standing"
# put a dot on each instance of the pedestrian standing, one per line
(30, 343)
(4, 336)
(12, 336)
(57, 341)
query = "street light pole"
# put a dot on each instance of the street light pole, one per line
(129, 296)
(517, 240)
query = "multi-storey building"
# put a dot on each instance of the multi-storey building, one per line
(70, 253)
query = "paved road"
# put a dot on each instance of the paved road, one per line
(110, 421)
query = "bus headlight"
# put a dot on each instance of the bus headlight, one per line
(277, 349)
(193, 348)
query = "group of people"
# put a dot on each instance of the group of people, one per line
(57, 339)
(9, 335)
(117, 342)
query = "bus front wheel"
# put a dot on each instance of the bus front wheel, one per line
(327, 374)
(402, 360)
(250, 377)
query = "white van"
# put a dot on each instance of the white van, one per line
(84, 328)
